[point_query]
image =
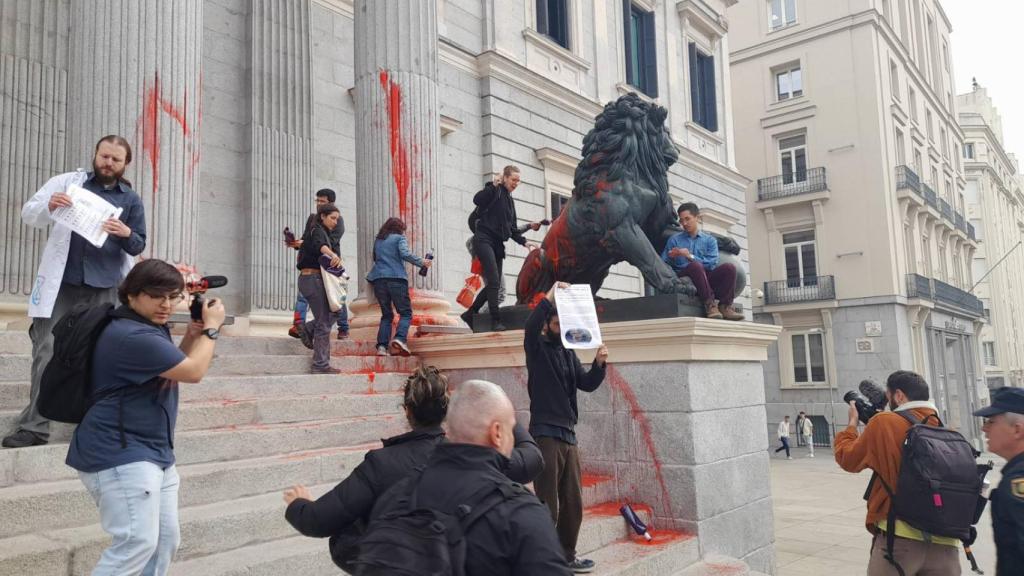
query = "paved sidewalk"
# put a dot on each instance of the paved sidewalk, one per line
(819, 518)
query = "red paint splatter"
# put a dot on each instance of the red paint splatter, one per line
(536, 300)
(591, 480)
(371, 376)
(400, 172)
(149, 126)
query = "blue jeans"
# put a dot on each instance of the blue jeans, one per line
(139, 508)
(392, 291)
(785, 446)
(302, 306)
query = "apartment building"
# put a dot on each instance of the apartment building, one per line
(859, 239)
(995, 207)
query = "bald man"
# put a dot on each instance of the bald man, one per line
(514, 537)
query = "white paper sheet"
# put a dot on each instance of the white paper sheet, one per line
(86, 215)
(577, 317)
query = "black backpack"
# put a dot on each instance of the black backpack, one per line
(65, 390)
(410, 540)
(939, 487)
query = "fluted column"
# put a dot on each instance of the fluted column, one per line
(397, 142)
(136, 70)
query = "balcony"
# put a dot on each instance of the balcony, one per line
(789, 185)
(946, 209)
(961, 224)
(941, 293)
(929, 195)
(970, 231)
(796, 290)
(907, 178)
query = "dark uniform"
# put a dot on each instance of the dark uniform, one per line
(1008, 497)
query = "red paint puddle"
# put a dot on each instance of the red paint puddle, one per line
(723, 569)
(591, 480)
(660, 538)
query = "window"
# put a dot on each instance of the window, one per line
(808, 358)
(949, 194)
(553, 20)
(789, 83)
(918, 163)
(989, 349)
(894, 79)
(944, 143)
(793, 155)
(702, 89)
(641, 55)
(912, 102)
(926, 256)
(901, 148)
(801, 267)
(558, 201)
(934, 181)
(781, 13)
(945, 56)
(988, 315)
(969, 150)
(928, 121)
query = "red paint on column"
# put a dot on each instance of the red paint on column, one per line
(150, 127)
(400, 171)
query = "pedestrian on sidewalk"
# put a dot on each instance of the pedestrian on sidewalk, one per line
(299, 325)
(554, 375)
(807, 431)
(390, 283)
(783, 434)
(315, 243)
(124, 447)
(72, 270)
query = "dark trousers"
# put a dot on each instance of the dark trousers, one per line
(41, 333)
(718, 284)
(491, 254)
(785, 446)
(392, 292)
(312, 287)
(559, 486)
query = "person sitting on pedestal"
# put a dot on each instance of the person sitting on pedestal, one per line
(693, 253)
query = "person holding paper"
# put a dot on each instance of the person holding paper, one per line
(694, 254)
(554, 375)
(72, 269)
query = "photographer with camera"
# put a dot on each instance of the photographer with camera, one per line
(897, 548)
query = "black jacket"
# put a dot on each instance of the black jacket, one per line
(497, 213)
(555, 374)
(1008, 519)
(335, 234)
(515, 538)
(344, 511)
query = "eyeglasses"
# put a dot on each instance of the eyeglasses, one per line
(174, 298)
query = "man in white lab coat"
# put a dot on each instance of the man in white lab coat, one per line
(72, 270)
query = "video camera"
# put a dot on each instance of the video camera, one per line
(196, 288)
(869, 401)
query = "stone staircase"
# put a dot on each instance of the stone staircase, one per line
(257, 424)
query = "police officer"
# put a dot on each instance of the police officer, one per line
(1004, 430)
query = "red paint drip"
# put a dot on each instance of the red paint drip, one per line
(400, 172)
(150, 127)
(620, 384)
(591, 480)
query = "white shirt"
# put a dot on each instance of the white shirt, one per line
(808, 428)
(783, 429)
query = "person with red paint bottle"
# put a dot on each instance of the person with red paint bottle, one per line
(554, 375)
(390, 284)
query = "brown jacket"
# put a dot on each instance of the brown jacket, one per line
(878, 448)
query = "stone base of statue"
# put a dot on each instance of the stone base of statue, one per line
(678, 425)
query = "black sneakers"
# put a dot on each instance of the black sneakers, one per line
(23, 439)
(581, 566)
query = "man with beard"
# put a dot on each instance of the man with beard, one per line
(72, 270)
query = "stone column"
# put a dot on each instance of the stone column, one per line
(136, 70)
(398, 136)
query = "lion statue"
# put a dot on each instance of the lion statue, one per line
(620, 207)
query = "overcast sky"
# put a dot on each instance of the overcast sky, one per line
(988, 44)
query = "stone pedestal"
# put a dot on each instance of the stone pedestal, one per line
(398, 133)
(679, 422)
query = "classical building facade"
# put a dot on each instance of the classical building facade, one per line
(239, 110)
(857, 223)
(995, 206)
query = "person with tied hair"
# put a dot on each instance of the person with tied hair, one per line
(514, 537)
(496, 224)
(316, 242)
(342, 513)
(72, 270)
(390, 283)
(124, 447)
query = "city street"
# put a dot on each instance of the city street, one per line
(819, 518)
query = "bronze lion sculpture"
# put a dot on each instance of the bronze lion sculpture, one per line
(620, 207)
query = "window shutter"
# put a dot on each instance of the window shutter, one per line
(543, 25)
(650, 56)
(710, 101)
(695, 103)
(627, 37)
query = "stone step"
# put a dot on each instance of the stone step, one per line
(17, 367)
(197, 415)
(46, 463)
(15, 342)
(14, 395)
(715, 565)
(26, 508)
(667, 555)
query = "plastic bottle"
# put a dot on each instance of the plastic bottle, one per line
(635, 522)
(427, 256)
